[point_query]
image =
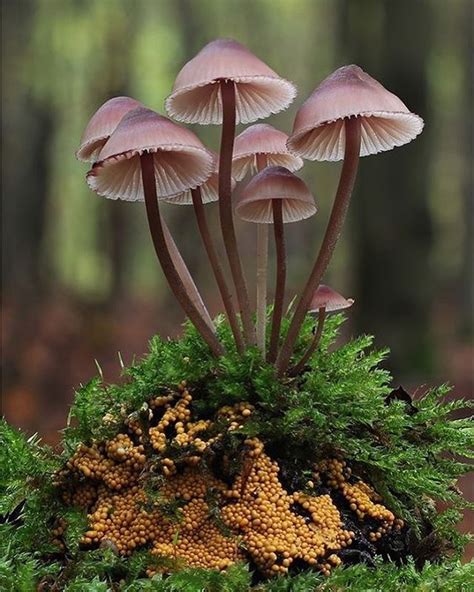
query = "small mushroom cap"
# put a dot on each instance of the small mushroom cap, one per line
(255, 202)
(209, 190)
(181, 160)
(326, 297)
(101, 125)
(386, 122)
(267, 141)
(259, 91)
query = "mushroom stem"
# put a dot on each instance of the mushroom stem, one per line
(280, 277)
(225, 207)
(262, 264)
(216, 268)
(186, 277)
(333, 231)
(163, 254)
(313, 345)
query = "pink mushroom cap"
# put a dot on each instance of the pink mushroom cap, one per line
(386, 122)
(259, 91)
(262, 139)
(326, 297)
(255, 202)
(101, 125)
(181, 160)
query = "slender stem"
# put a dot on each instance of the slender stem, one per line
(262, 264)
(225, 208)
(162, 251)
(313, 345)
(333, 231)
(216, 268)
(280, 277)
(186, 277)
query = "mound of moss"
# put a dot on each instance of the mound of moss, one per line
(194, 444)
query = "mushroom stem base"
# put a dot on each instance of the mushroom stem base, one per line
(313, 345)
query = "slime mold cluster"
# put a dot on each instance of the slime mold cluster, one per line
(202, 513)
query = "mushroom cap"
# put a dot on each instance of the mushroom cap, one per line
(326, 297)
(263, 139)
(386, 122)
(209, 193)
(255, 202)
(102, 124)
(181, 160)
(209, 190)
(259, 91)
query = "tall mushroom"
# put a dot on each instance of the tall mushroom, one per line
(97, 132)
(324, 300)
(206, 193)
(257, 147)
(225, 83)
(275, 195)
(348, 115)
(149, 156)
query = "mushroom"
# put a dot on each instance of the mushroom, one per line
(97, 132)
(324, 300)
(348, 115)
(275, 195)
(225, 83)
(206, 193)
(257, 147)
(102, 124)
(149, 156)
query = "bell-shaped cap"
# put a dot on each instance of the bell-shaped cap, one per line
(264, 141)
(181, 160)
(259, 91)
(209, 189)
(386, 122)
(102, 124)
(255, 202)
(326, 297)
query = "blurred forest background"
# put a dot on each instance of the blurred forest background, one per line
(79, 277)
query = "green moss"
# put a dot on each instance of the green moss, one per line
(448, 577)
(412, 452)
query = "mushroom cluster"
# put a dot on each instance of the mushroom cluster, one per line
(138, 154)
(166, 483)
